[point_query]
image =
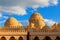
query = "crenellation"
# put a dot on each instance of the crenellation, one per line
(36, 30)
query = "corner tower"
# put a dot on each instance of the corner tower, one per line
(36, 21)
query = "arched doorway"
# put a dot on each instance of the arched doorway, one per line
(47, 38)
(28, 36)
(20, 38)
(3, 38)
(57, 38)
(12, 38)
(36, 38)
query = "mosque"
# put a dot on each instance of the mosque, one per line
(36, 30)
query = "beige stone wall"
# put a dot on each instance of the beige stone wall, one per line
(42, 34)
(16, 37)
(33, 33)
(13, 33)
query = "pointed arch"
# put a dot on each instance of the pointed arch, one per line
(3, 38)
(12, 38)
(47, 38)
(57, 38)
(36, 38)
(20, 38)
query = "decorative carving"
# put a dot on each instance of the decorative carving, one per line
(37, 20)
(12, 22)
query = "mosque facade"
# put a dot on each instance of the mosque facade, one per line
(36, 30)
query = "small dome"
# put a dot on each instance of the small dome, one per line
(12, 22)
(56, 25)
(37, 20)
(46, 28)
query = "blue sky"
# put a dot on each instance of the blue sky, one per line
(49, 9)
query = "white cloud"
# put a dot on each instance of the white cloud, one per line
(49, 22)
(54, 2)
(0, 14)
(6, 17)
(2, 22)
(24, 22)
(19, 6)
(14, 10)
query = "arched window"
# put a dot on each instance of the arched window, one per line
(20, 38)
(12, 38)
(57, 38)
(36, 38)
(47, 38)
(3, 38)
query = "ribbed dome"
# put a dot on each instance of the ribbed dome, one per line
(36, 16)
(56, 25)
(12, 22)
(37, 20)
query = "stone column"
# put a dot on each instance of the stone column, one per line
(7, 37)
(41, 37)
(53, 38)
(16, 37)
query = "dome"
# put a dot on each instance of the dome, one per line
(37, 20)
(36, 16)
(12, 22)
(46, 28)
(56, 25)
